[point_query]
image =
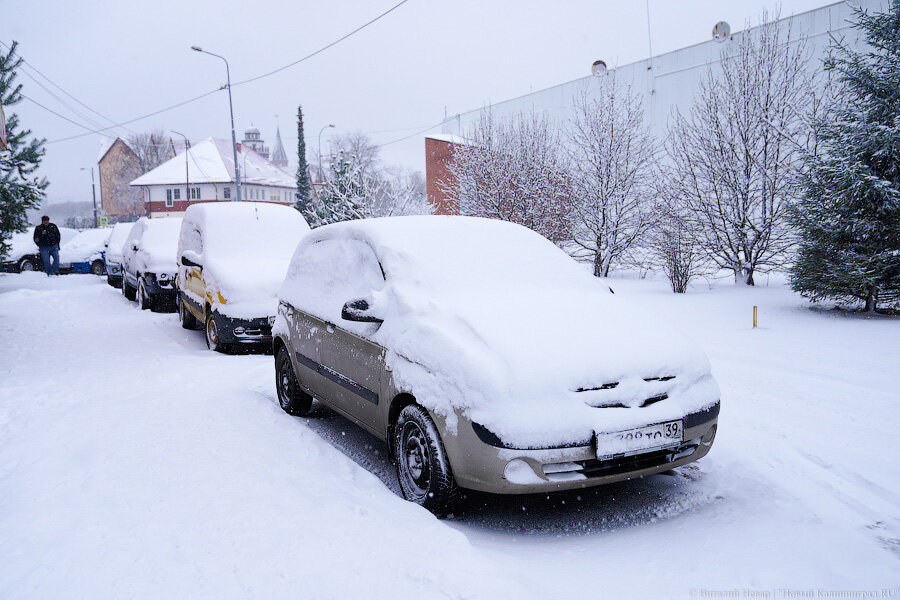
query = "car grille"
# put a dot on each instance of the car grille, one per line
(616, 466)
(614, 384)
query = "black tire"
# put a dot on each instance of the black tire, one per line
(98, 268)
(422, 465)
(27, 264)
(129, 292)
(212, 335)
(187, 318)
(293, 400)
(144, 301)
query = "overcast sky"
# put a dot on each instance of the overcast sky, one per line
(393, 79)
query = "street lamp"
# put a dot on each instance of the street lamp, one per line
(320, 149)
(93, 193)
(187, 146)
(237, 171)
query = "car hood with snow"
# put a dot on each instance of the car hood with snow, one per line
(245, 249)
(490, 320)
(87, 246)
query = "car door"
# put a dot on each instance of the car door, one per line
(129, 251)
(350, 364)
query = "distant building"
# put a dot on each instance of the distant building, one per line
(438, 160)
(279, 156)
(118, 165)
(254, 142)
(205, 173)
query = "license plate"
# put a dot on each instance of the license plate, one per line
(642, 439)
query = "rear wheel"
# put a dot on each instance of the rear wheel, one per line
(187, 318)
(26, 264)
(292, 399)
(97, 267)
(422, 465)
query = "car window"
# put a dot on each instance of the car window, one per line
(193, 241)
(331, 272)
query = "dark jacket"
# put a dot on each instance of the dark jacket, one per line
(46, 235)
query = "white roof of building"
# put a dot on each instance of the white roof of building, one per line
(211, 161)
(451, 138)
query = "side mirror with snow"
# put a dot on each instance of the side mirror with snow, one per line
(190, 263)
(358, 310)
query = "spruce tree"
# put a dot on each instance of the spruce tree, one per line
(343, 197)
(849, 216)
(20, 188)
(303, 184)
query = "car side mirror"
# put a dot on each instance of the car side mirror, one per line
(190, 263)
(358, 311)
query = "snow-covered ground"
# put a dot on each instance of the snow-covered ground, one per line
(134, 463)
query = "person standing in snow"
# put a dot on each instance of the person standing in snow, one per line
(46, 236)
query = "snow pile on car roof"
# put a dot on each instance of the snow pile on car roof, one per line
(491, 319)
(84, 247)
(245, 249)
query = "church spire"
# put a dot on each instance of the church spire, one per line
(279, 156)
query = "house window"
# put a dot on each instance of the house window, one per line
(227, 193)
(195, 193)
(169, 198)
(176, 194)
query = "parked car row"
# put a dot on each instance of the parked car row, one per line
(484, 356)
(24, 255)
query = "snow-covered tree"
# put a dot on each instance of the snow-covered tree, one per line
(20, 187)
(512, 170)
(736, 156)
(613, 160)
(401, 191)
(668, 245)
(849, 215)
(343, 197)
(303, 184)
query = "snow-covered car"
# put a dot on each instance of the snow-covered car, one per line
(232, 260)
(24, 255)
(148, 262)
(487, 358)
(84, 252)
(113, 256)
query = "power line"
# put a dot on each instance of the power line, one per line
(420, 132)
(324, 48)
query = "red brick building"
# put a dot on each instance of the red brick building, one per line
(438, 158)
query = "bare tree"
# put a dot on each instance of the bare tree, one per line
(736, 156)
(512, 170)
(401, 191)
(359, 146)
(613, 160)
(152, 148)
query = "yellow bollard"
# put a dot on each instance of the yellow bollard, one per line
(754, 317)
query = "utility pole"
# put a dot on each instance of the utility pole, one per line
(93, 195)
(187, 146)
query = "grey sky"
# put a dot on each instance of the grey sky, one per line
(393, 79)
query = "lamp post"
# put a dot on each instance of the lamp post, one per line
(237, 171)
(320, 149)
(93, 194)
(187, 146)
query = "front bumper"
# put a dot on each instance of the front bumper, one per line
(484, 467)
(256, 331)
(161, 290)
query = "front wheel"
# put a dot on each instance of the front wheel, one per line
(292, 399)
(97, 268)
(213, 341)
(144, 300)
(187, 318)
(129, 292)
(422, 465)
(26, 264)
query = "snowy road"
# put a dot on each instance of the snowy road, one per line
(136, 464)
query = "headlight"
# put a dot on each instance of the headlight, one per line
(271, 321)
(163, 276)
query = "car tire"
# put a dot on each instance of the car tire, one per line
(129, 292)
(293, 400)
(423, 468)
(27, 264)
(144, 301)
(98, 268)
(212, 335)
(187, 318)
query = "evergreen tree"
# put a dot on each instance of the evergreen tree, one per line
(303, 183)
(20, 188)
(343, 197)
(849, 216)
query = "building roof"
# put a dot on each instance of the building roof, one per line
(278, 153)
(211, 161)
